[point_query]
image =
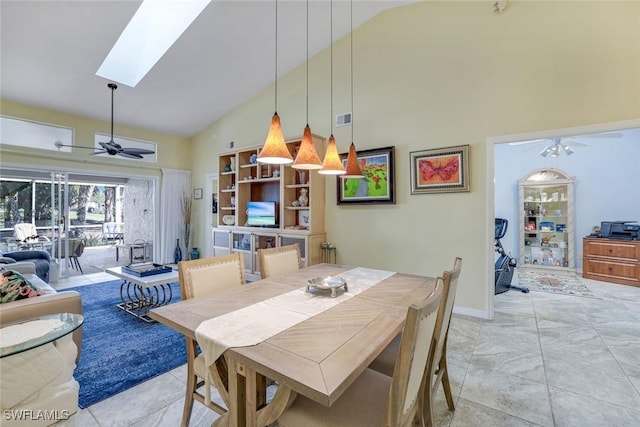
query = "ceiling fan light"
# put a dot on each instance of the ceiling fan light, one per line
(555, 151)
(332, 164)
(567, 149)
(546, 151)
(307, 157)
(275, 149)
(353, 165)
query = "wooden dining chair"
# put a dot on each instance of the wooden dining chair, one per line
(198, 279)
(279, 260)
(375, 399)
(437, 372)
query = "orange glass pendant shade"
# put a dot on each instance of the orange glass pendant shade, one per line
(307, 157)
(353, 166)
(275, 150)
(332, 164)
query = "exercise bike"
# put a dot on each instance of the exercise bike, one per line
(505, 264)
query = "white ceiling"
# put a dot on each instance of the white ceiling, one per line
(50, 51)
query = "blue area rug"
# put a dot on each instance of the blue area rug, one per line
(119, 350)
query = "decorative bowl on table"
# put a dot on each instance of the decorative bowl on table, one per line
(328, 283)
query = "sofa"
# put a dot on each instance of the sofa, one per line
(50, 302)
(41, 259)
(40, 380)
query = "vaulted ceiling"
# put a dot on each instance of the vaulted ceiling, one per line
(51, 51)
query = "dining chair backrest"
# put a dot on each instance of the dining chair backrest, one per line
(76, 247)
(207, 276)
(450, 287)
(279, 260)
(25, 232)
(415, 348)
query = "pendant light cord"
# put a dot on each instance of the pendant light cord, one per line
(331, 61)
(351, 42)
(276, 67)
(307, 62)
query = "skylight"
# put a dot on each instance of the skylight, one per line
(154, 28)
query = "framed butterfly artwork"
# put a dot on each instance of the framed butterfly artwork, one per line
(440, 170)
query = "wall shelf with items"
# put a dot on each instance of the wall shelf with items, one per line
(297, 197)
(546, 220)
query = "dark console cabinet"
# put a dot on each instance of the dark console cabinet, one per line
(611, 260)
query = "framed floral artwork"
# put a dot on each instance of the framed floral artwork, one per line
(440, 170)
(378, 184)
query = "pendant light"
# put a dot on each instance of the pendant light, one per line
(332, 164)
(275, 149)
(307, 157)
(353, 166)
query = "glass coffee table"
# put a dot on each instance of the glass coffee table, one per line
(24, 335)
(45, 342)
(141, 294)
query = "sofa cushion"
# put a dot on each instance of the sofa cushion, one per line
(41, 259)
(14, 286)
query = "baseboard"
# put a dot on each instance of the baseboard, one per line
(464, 311)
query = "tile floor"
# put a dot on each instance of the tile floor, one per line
(545, 360)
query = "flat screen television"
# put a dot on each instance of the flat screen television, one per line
(261, 214)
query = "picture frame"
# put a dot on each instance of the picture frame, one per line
(440, 170)
(304, 218)
(197, 193)
(378, 185)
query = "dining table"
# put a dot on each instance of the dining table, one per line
(304, 339)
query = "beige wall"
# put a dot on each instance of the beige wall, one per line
(172, 151)
(437, 74)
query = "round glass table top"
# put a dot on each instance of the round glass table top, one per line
(24, 335)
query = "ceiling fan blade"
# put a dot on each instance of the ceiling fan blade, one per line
(98, 152)
(137, 151)
(59, 144)
(130, 155)
(527, 142)
(600, 135)
(573, 142)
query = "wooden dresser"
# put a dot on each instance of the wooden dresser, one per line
(611, 260)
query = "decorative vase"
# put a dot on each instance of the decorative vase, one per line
(232, 165)
(177, 253)
(195, 253)
(303, 200)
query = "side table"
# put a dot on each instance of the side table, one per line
(37, 359)
(138, 252)
(328, 253)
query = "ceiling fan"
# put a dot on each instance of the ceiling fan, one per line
(111, 147)
(566, 145)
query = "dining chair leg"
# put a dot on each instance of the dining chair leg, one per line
(427, 406)
(446, 385)
(75, 259)
(188, 400)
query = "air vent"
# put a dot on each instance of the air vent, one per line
(343, 119)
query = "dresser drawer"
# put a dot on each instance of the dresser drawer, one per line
(620, 250)
(612, 271)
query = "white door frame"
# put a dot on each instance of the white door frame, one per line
(490, 161)
(208, 199)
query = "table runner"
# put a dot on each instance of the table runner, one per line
(260, 321)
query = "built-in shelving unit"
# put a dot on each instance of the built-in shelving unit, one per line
(546, 220)
(298, 195)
